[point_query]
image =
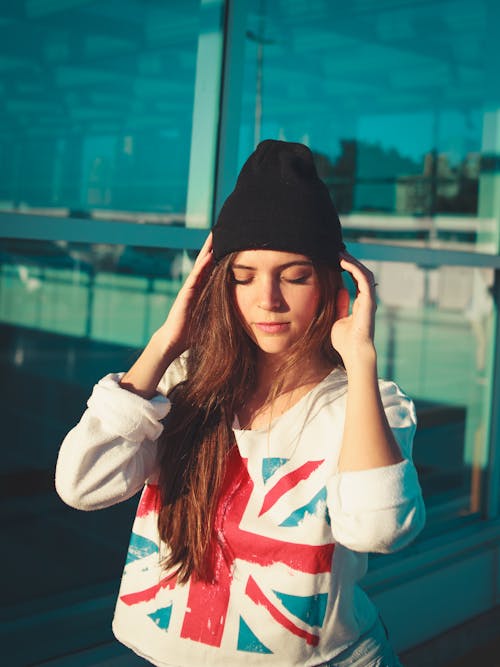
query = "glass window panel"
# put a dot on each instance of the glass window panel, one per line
(69, 314)
(96, 106)
(406, 129)
(434, 337)
(72, 312)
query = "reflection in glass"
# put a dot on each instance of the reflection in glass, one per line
(69, 314)
(406, 130)
(434, 333)
(78, 311)
(96, 108)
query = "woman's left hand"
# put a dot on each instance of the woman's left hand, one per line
(352, 333)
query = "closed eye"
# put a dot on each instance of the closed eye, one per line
(299, 280)
(240, 281)
(241, 278)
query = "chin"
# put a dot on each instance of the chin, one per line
(277, 348)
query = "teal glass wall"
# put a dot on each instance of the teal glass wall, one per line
(96, 105)
(70, 313)
(400, 103)
(434, 336)
(108, 111)
(113, 293)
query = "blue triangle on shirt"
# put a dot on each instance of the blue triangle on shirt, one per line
(312, 507)
(270, 465)
(311, 609)
(161, 617)
(247, 641)
(140, 547)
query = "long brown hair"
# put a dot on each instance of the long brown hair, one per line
(221, 372)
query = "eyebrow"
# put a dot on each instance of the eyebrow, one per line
(281, 266)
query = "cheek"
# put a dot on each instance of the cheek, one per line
(311, 305)
(239, 301)
(241, 307)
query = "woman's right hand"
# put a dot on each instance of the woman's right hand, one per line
(174, 330)
(171, 339)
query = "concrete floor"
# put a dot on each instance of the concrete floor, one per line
(475, 643)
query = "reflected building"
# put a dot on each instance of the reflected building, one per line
(440, 188)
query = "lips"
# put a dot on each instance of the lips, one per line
(272, 327)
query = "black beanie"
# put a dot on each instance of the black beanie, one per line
(279, 203)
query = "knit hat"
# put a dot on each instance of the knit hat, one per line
(279, 203)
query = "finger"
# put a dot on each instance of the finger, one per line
(202, 267)
(362, 276)
(200, 270)
(207, 246)
(206, 249)
(350, 259)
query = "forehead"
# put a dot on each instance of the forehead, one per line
(265, 259)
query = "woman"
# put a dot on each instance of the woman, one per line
(283, 459)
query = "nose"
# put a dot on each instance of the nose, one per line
(270, 297)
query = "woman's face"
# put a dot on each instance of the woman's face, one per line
(277, 295)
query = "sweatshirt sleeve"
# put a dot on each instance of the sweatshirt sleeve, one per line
(381, 509)
(108, 456)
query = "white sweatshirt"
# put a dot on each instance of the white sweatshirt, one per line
(291, 533)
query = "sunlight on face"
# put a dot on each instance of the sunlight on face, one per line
(277, 295)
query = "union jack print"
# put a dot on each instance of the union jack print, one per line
(205, 609)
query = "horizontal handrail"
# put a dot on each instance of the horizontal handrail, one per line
(46, 228)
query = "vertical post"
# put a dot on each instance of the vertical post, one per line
(492, 500)
(200, 194)
(231, 97)
(488, 240)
